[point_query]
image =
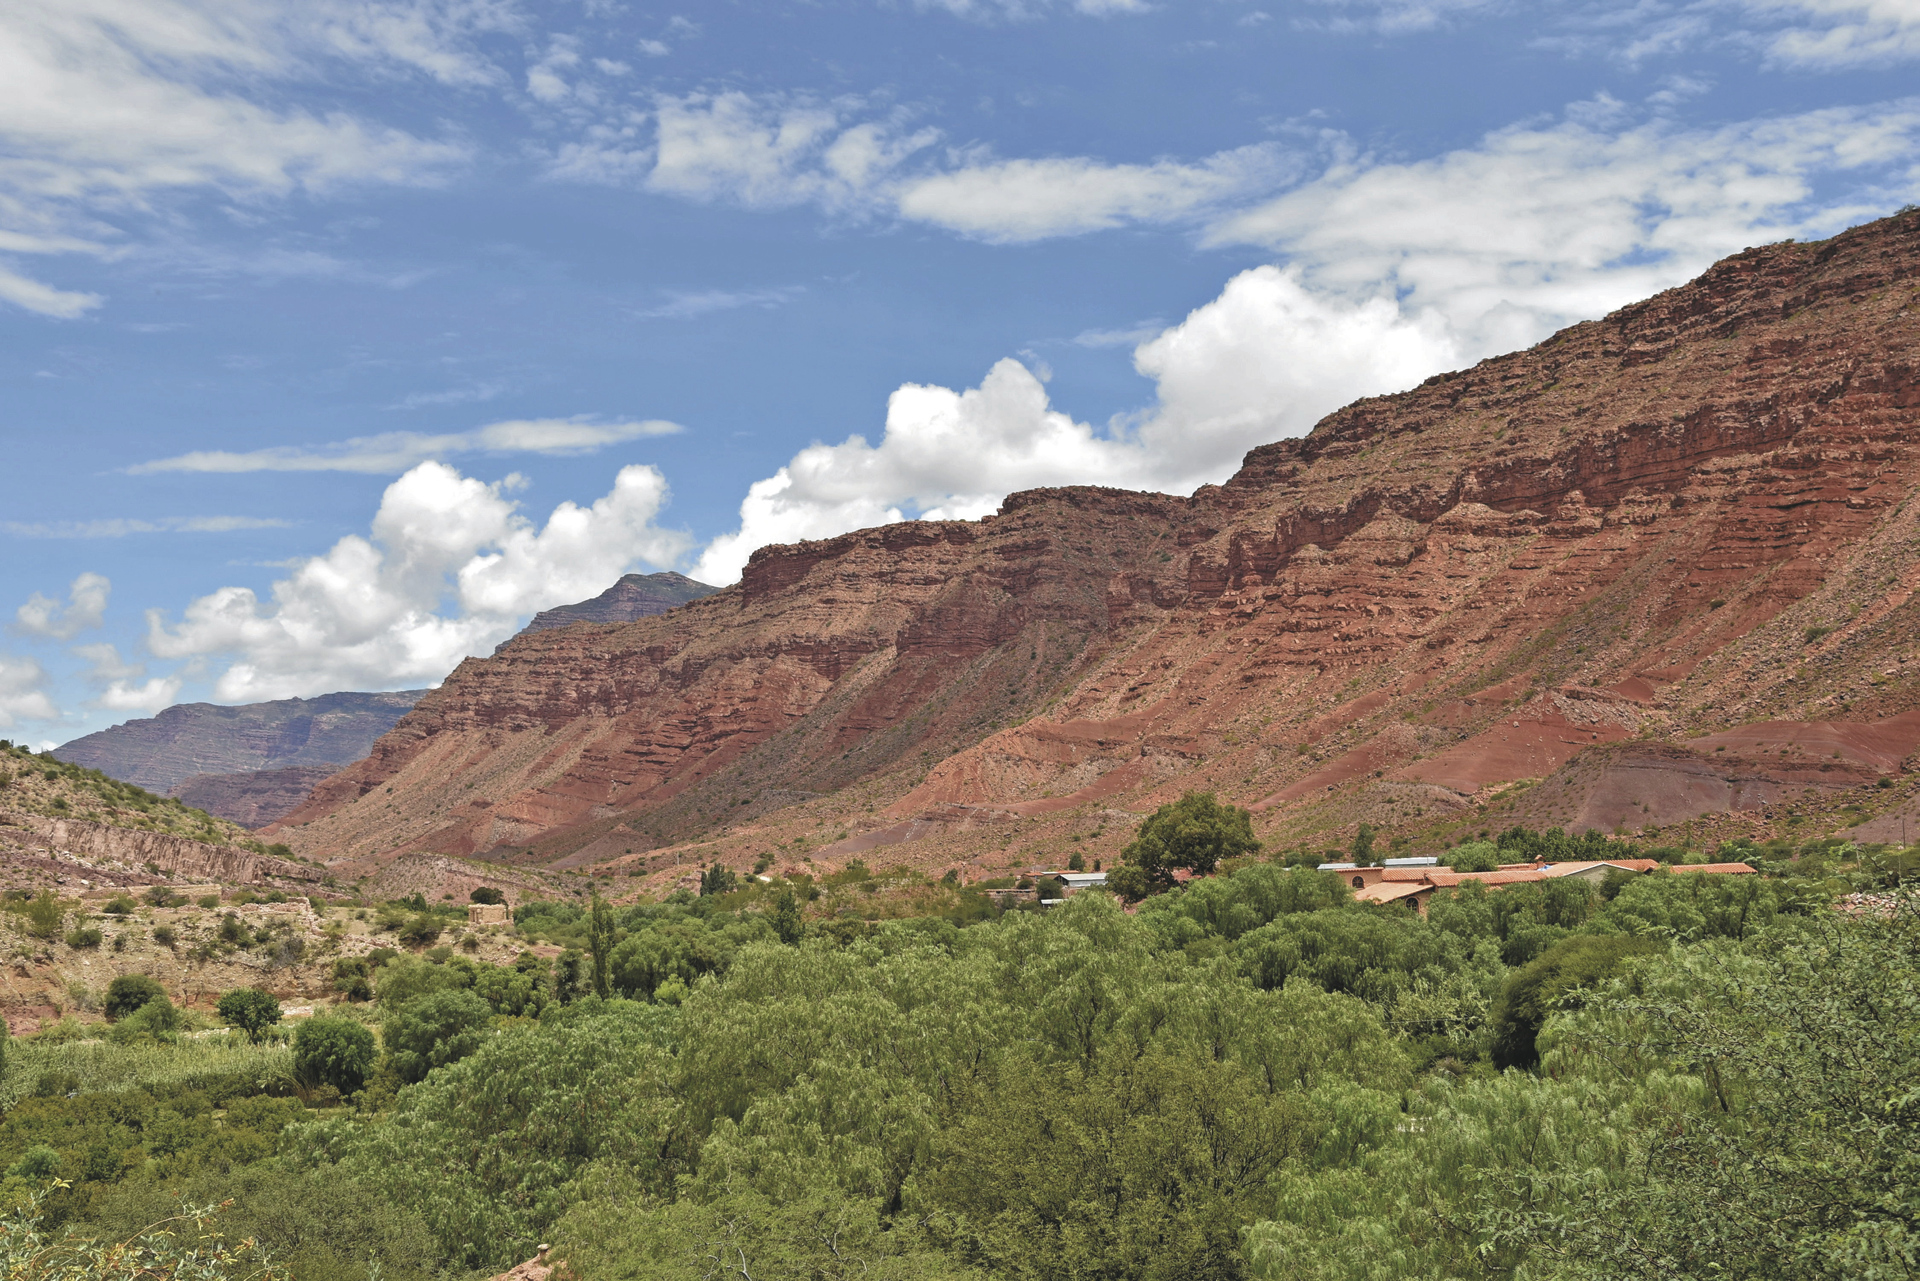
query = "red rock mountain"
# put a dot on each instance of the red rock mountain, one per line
(1657, 570)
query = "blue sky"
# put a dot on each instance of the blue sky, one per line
(337, 337)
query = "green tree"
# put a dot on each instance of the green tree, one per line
(1131, 882)
(570, 972)
(787, 925)
(600, 944)
(487, 894)
(717, 880)
(1363, 844)
(1194, 832)
(1472, 856)
(250, 1010)
(128, 993)
(333, 1051)
(681, 950)
(434, 1030)
(407, 978)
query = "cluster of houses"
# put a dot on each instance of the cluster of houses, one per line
(1414, 880)
(1396, 880)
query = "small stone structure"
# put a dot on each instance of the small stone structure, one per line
(486, 914)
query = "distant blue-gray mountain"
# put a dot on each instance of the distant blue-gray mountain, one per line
(161, 753)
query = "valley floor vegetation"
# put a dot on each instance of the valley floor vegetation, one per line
(1247, 1076)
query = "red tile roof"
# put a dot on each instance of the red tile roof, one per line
(1445, 878)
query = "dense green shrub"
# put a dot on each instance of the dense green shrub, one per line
(1577, 964)
(352, 978)
(1248, 1076)
(314, 1228)
(489, 1149)
(434, 1030)
(333, 1051)
(156, 1020)
(420, 929)
(128, 993)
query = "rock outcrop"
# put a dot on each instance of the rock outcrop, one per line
(634, 596)
(1693, 515)
(172, 858)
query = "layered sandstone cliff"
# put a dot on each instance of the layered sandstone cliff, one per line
(1692, 516)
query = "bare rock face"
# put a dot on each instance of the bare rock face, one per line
(161, 753)
(163, 855)
(254, 798)
(1691, 516)
(634, 596)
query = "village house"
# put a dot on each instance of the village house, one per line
(1416, 880)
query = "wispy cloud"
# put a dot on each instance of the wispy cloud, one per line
(120, 527)
(685, 306)
(1132, 337)
(451, 396)
(391, 453)
(108, 106)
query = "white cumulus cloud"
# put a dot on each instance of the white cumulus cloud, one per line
(23, 693)
(119, 683)
(85, 608)
(449, 568)
(1266, 359)
(396, 451)
(151, 696)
